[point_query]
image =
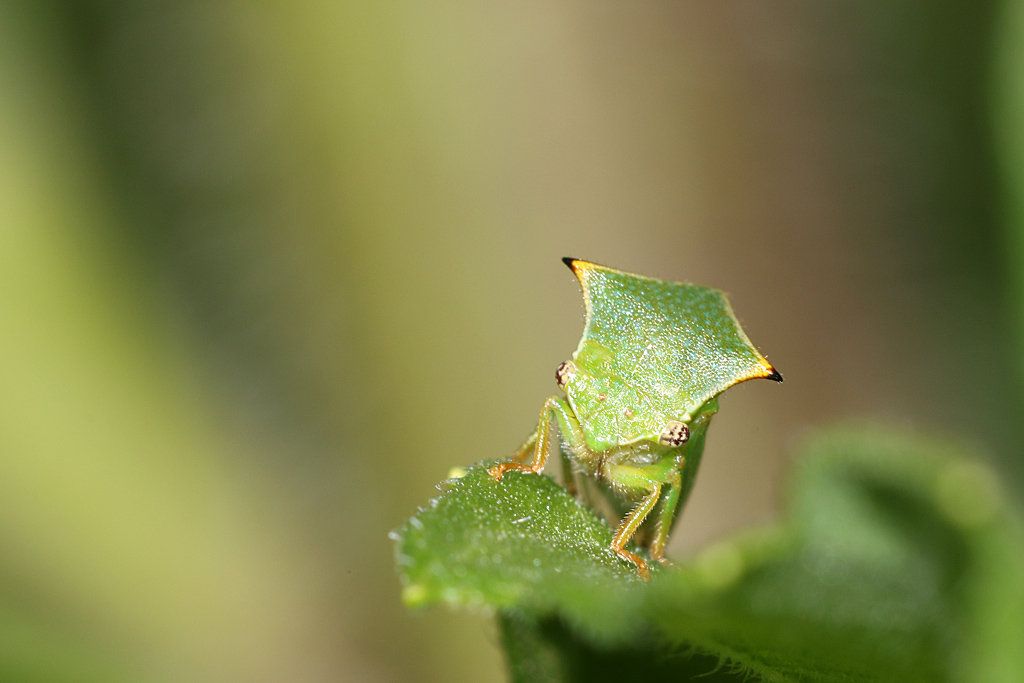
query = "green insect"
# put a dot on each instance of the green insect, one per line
(640, 391)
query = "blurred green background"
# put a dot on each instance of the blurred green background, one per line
(269, 269)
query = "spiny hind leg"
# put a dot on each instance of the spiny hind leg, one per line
(668, 513)
(650, 480)
(628, 526)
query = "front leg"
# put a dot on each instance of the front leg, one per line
(525, 451)
(567, 423)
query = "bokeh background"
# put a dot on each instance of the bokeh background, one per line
(269, 269)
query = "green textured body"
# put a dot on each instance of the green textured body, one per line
(656, 351)
(640, 391)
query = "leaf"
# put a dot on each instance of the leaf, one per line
(899, 561)
(519, 542)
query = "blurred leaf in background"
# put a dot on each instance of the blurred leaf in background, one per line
(270, 269)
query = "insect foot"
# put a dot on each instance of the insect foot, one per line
(674, 434)
(497, 471)
(641, 566)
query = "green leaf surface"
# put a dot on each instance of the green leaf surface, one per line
(898, 561)
(519, 542)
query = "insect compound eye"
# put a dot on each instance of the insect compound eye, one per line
(675, 434)
(564, 373)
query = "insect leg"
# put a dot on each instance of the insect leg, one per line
(668, 513)
(628, 527)
(568, 475)
(540, 446)
(526, 450)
